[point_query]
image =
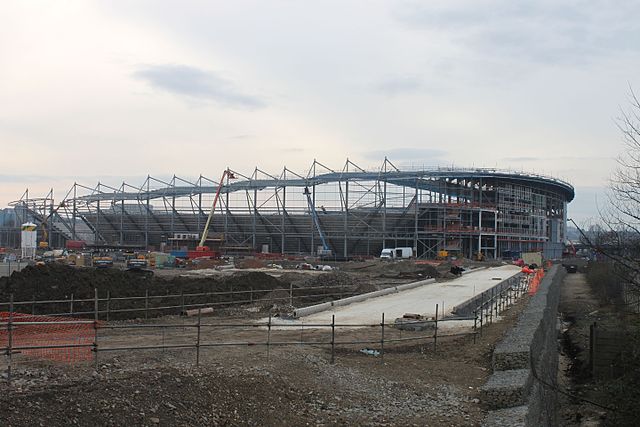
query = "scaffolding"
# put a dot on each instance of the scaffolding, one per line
(463, 211)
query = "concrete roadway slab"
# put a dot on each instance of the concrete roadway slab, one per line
(421, 300)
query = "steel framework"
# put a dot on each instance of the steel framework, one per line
(464, 211)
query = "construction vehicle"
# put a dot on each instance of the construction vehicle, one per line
(397, 253)
(137, 263)
(325, 251)
(201, 249)
(102, 261)
(44, 242)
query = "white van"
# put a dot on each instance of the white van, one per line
(396, 253)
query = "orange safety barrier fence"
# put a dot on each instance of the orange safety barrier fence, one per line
(536, 278)
(47, 334)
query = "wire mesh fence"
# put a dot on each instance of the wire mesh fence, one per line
(72, 340)
(150, 305)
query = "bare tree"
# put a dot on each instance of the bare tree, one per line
(618, 235)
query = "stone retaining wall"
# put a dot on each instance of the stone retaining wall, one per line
(525, 359)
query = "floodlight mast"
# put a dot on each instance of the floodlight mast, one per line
(228, 175)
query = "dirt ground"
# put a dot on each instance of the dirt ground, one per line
(412, 384)
(580, 308)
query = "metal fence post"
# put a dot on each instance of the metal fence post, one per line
(333, 337)
(382, 339)
(33, 305)
(10, 336)
(146, 304)
(269, 337)
(291, 294)
(95, 328)
(95, 304)
(301, 330)
(491, 301)
(198, 338)
(481, 311)
(71, 306)
(182, 302)
(435, 334)
(475, 325)
(108, 304)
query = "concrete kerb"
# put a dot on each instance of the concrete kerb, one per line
(305, 311)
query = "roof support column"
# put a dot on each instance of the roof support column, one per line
(346, 219)
(415, 221)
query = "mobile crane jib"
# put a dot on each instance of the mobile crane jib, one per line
(325, 248)
(201, 247)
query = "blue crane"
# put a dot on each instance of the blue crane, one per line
(314, 215)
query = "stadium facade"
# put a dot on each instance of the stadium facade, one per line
(358, 212)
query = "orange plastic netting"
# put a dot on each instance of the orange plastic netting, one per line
(47, 333)
(536, 278)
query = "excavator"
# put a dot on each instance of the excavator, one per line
(201, 248)
(44, 242)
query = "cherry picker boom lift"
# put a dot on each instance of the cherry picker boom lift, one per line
(205, 250)
(325, 248)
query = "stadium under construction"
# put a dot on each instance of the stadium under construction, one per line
(348, 211)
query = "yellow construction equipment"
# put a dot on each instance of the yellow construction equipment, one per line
(44, 242)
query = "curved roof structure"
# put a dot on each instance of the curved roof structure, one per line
(422, 179)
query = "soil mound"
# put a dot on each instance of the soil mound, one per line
(251, 263)
(57, 281)
(251, 280)
(52, 281)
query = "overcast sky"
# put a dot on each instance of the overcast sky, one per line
(104, 90)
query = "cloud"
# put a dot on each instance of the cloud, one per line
(521, 159)
(196, 84)
(242, 136)
(399, 85)
(555, 158)
(547, 32)
(406, 154)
